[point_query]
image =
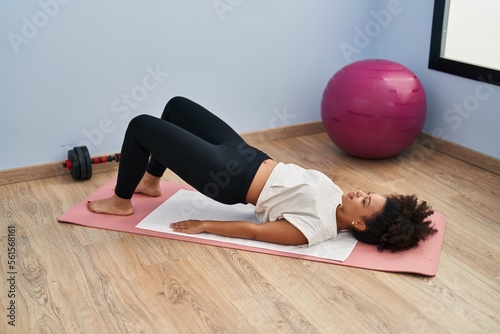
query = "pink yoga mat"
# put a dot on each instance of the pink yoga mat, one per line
(423, 260)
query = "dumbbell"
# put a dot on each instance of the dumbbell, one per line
(79, 162)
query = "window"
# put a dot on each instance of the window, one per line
(465, 39)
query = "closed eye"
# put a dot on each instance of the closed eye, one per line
(367, 201)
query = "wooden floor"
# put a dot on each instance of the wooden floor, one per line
(72, 279)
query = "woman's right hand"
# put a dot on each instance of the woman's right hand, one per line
(189, 226)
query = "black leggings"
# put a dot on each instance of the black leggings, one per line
(196, 145)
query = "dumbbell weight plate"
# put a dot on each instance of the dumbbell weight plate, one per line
(85, 162)
(81, 163)
(75, 164)
(88, 161)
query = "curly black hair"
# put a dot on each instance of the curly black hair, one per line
(399, 226)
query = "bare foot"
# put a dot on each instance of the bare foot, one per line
(149, 185)
(113, 205)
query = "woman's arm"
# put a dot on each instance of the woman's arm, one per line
(277, 232)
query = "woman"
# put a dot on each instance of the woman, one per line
(298, 206)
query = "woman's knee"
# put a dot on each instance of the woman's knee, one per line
(140, 122)
(174, 104)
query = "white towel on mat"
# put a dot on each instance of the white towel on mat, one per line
(185, 204)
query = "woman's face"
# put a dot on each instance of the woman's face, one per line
(359, 205)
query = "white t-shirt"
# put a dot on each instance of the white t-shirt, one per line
(306, 198)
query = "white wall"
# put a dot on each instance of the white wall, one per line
(75, 72)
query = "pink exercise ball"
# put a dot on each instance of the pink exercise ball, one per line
(373, 108)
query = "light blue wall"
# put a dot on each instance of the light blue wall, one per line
(460, 110)
(75, 72)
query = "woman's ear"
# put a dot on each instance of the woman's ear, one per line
(359, 225)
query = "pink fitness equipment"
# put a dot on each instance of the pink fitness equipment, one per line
(373, 108)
